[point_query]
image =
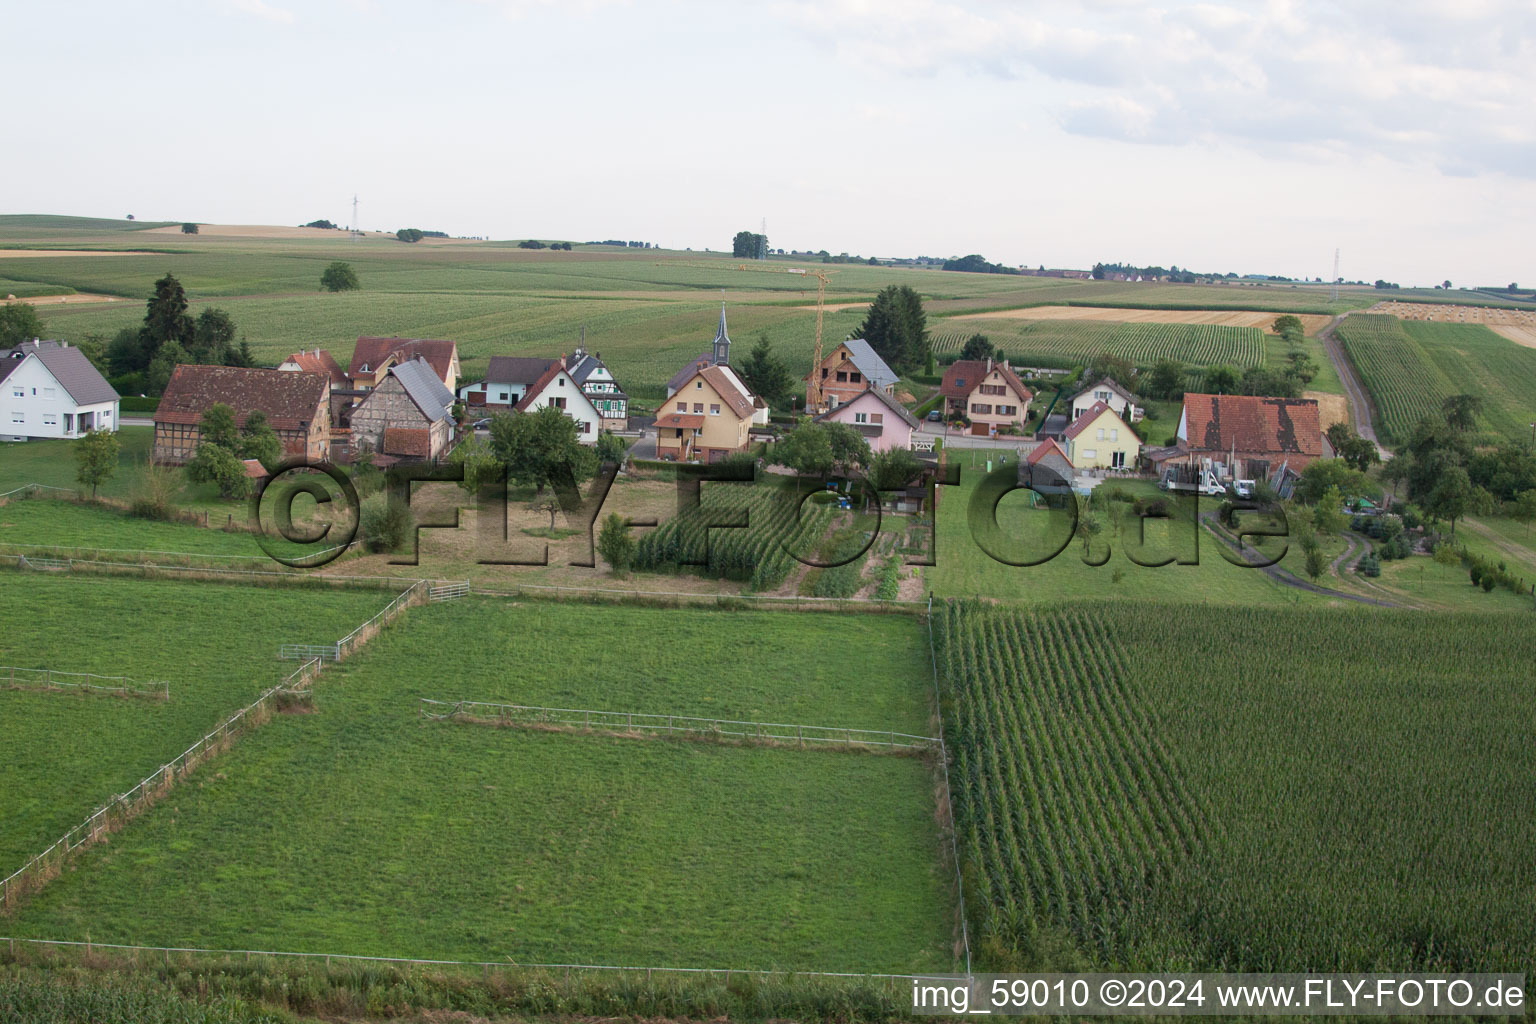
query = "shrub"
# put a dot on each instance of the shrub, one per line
(1370, 565)
(386, 525)
(152, 493)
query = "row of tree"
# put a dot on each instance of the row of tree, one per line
(147, 355)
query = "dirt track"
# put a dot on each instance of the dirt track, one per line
(1311, 322)
(54, 300)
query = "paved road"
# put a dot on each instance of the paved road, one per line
(1359, 400)
(134, 421)
(955, 439)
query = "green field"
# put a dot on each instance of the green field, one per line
(33, 522)
(362, 829)
(65, 754)
(1138, 787)
(1063, 344)
(1410, 367)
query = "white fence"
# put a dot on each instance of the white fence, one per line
(18, 678)
(449, 591)
(693, 728)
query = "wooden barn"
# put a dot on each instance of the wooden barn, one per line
(296, 405)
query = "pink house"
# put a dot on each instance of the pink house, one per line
(882, 420)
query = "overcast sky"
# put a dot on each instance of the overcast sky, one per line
(1244, 137)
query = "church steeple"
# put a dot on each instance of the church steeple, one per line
(722, 348)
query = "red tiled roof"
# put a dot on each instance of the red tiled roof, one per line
(253, 468)
(319, 361)
(739, 402)
(962, 376)
(1253, 424)
(371, 352)
(413, 441)
(682, 420)
(290, 400)
(1080, 424)
(1046, 448)
(537, 388)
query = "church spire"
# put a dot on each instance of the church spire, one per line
(722, 348)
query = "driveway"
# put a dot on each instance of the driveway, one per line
(1359, 400)
(956, 439)
(645, 447)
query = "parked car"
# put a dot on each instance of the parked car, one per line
(1244, 488)
(935, 416)
(484, 424)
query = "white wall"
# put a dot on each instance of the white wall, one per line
(43, 404)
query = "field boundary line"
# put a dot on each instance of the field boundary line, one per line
(146, 551)
(768, 599)
(644, 722)
(90, 564)
(89, 946)
(949, 800)
(158, 690)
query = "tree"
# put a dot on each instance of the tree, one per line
(1451, 496)
(897, 328)
(1287, 323)
(260, 442)
(1338, 434)
(1461, 411)
(1446, 285)
(1328, 516)
(749, 245)
(410, 234)
(1359, 453)
(19, 322)
(218, 426)
(611, 448)
(1106, 364)
(615, 544)
(549, 503)
(1323, 474)
(767, 375)
(1220, 380)
(893, 468)
(1166, 379)
(215, 464)
(213, 337)
(158, 374)
(1316, 563)
(96, 458)
(339, 277)
(1302, 367)
(125, 353)
(189, 228)
(385, 524)
(479, 462)
(1394, 472)
(817, 449)
(539, 447)
(1523, 509)
(978, 346)
(165, 319)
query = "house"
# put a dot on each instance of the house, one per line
(850, 369)
(409, 415)
(989, 393)
(719, 354)
(707, 417)
(52, 390)
(1248, 436)
(882, 420)
(317, 361)
(1100, 439)
(372, 358)
(296, 405)
(1108, 391)
(1047, 469)
(558, 388)
(507, 380)
(592, 375)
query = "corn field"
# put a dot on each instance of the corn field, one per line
(1161, 787)
(1064, 344)
(752, 554)
(1404, 383)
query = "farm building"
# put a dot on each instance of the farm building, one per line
(1100, 439)
(1249, 436)
(296, 405)
(407, 416)
(850, 369)
(882, 420)
(988, 393)
(52, 390)
(1047, 469)
(1108, 391)
(372, 358)
(556, 387)
(317, 361)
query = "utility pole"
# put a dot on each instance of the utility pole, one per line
(356, 232)
(1335, 275)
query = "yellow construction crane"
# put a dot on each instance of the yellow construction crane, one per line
(813, 396)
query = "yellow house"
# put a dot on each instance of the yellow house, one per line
(1099, 439)
(707, 418)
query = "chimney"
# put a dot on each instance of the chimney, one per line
(989, 364)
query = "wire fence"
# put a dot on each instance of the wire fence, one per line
(481, 965)
(675, 725)
(949, 803)
(18, 678)
(34, 488)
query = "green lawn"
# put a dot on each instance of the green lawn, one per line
(67, 524)
(362, 829)
(964, 569)
(65, 754)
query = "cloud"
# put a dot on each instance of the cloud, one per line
(260, 9)
(1448, 85)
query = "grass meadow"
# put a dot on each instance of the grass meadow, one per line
(65, 754)
(1143, 786)
(362, 829)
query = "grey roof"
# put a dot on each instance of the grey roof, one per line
(1112, 384)
(886, 400)
(516, 369)
(69, 367)
(682, 376)
(870, 364)
(421, 382)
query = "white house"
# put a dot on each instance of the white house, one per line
(507, 380)
(558, 388)
(1108, 391)
(49, 389)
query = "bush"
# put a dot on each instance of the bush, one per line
(386, 525)
(152, 493)
(1370, 566)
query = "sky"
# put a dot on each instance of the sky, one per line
(1245, 137)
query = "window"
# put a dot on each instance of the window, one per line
(959, 382)
(860, 417)
(1102, 396)
(824, 372)
(17, 416)
(714, 410)
(984, 410)
(698, 385)
(18, 392)
(853, 377)
(993, 389)
(1007, 410)
(1117, 460)
(560, 381)
(698, 406)
(877, 417)
(842, 378)
(586, 428)
(1090, 453)
(50, 419)
(1114, 434)
(558, 402)
(50, 393)
(1100, 436)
